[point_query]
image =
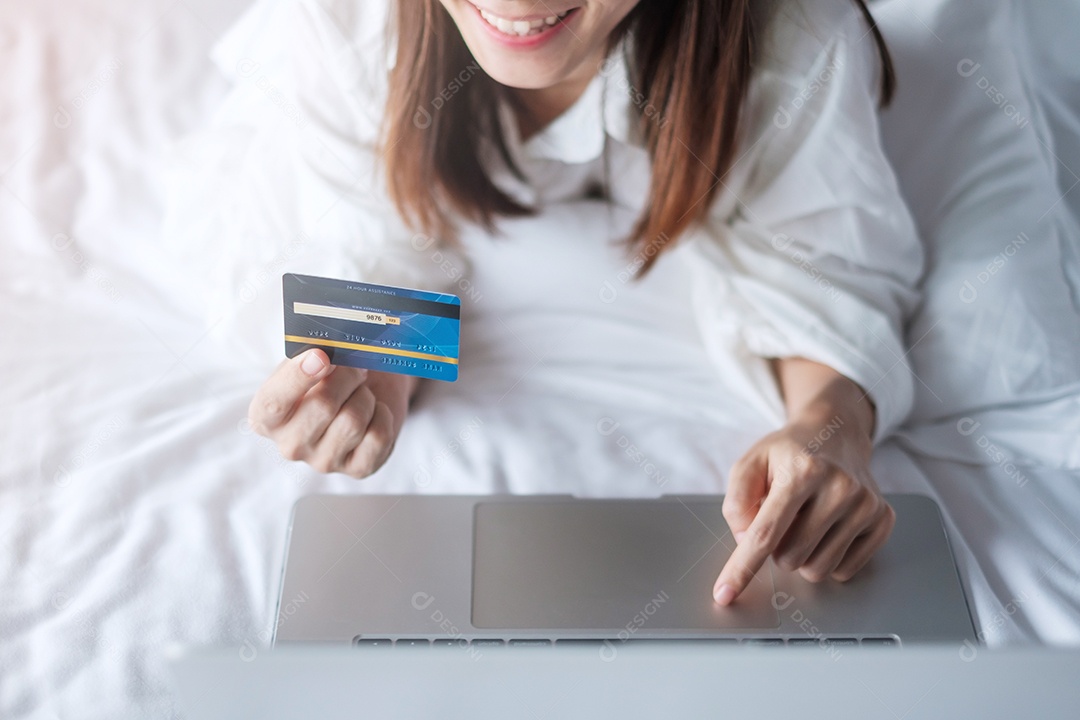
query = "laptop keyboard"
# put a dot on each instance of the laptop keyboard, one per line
(771, 641)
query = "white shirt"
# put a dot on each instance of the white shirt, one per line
(809, 250)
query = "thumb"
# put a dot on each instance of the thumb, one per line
(747, 486)
(311, 365)
(275, 401)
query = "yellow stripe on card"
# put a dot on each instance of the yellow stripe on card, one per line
(322, 342)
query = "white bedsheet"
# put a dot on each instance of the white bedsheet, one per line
(138, 511)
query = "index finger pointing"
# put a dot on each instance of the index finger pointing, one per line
(275, 401)
(761, 539)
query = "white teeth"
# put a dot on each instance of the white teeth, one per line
(521, 28)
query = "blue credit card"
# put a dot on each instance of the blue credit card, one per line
(375, 327)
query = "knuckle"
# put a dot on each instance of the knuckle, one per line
(843, 490)
(797, 477)
(784, 481)
(269, 409)
(793, 557)
(889, 520)
(379, 431)
(321, 405)
(820, 568)
(361, 470)
(801, 461)
(354, 423)
(844, 575)
(380, 438)
(844, 485)
(764, 533)
(361, 464)
(809, 464)
(733, 513)
(292, 450)
(870, 504)
(387, 452)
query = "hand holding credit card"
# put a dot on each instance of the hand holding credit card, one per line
(374, 327)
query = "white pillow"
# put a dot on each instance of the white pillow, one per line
(999, 324)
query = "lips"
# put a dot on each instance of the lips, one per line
(519, 28)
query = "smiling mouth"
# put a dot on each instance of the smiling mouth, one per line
(522, 28)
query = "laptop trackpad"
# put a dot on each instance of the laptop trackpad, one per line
(615, 565)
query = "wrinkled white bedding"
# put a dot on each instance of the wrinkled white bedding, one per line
(138, 511)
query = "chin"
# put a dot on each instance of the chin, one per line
(521, 73)
(519, 80)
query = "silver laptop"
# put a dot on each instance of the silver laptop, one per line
(646, 680)
(491, 571)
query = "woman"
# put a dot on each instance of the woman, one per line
(744, 128)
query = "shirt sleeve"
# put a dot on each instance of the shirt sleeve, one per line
(811, 252)
(288, 178)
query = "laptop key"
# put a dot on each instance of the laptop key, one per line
(677, 641)
(488, 642)
(764, 642)
(842, 641)
(372, 642)
(447, 642)
(412, 642)
(803, 642)
(530, 642)
(880, 642)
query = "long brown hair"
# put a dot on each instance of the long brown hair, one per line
(691, 62)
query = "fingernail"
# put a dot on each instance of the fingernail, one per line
(312, 364)
(739, 536)
(724, 594)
